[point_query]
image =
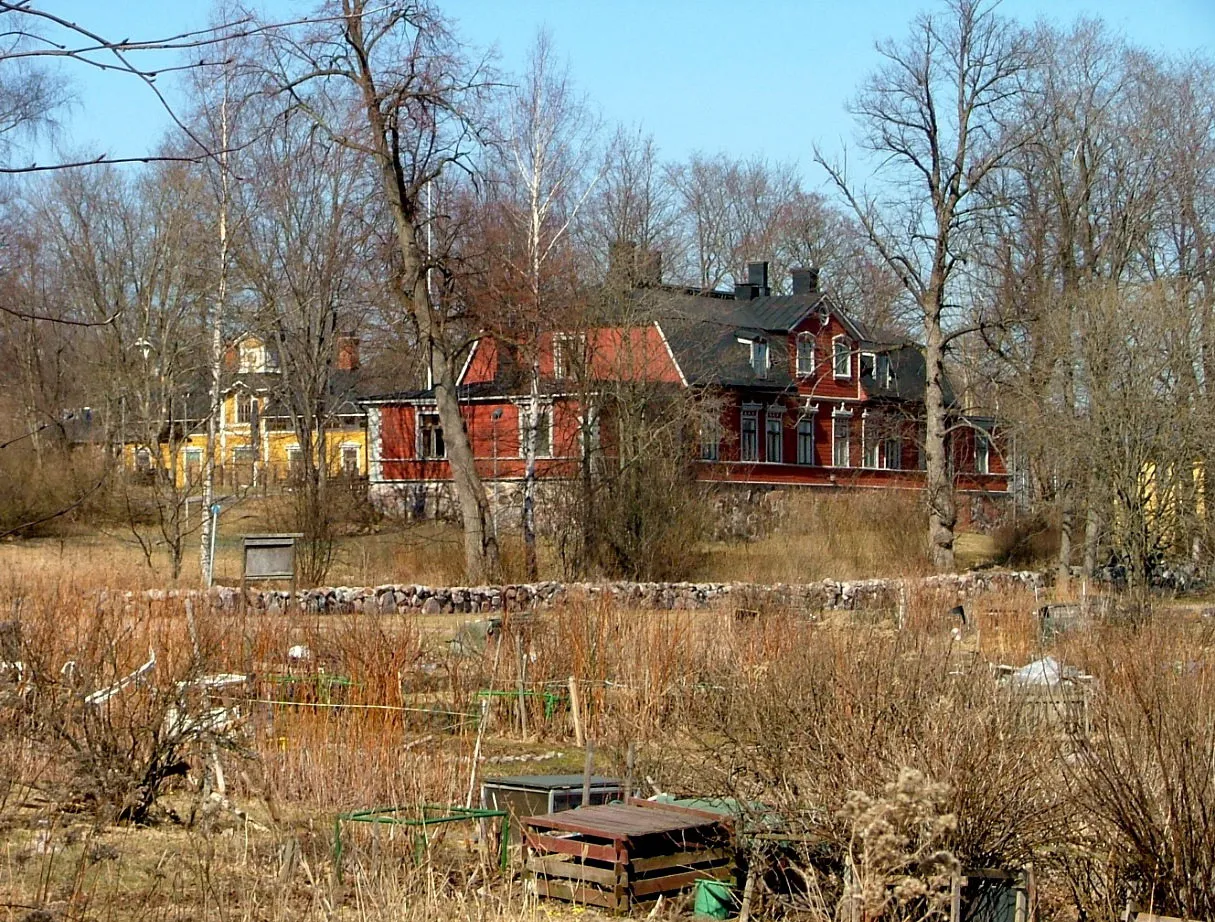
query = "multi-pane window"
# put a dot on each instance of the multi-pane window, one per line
(759, 358)
(430, 437)
(982, 452)
(246, 407)
(841, 357)
(710, 440)
(892, 453)
(805, 441)
(841, 440)
(748, 441)
(350, 460)
(569, 350)
(193, 461)
(870, 443)
(295, 461)
(773, 436)
(805, 354)
(883, 375)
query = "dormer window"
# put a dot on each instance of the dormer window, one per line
(883, 374)
(251, 356)
(805, 354)
(841, 357)
(759, 358)
(868, 361)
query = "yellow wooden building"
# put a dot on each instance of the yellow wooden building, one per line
(256, 442)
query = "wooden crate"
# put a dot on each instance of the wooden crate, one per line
(617, 855)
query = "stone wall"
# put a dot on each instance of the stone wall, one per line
(432, 600)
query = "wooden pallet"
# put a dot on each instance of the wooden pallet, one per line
(616, 855)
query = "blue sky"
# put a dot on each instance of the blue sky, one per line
(765, 78)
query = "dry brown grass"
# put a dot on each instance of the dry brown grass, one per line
(827, 536)
(791, 708)
(830, 536)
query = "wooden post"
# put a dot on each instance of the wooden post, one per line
(522, 685)
(586, 774)
(576, 711)
(629, 763)
(744, 911)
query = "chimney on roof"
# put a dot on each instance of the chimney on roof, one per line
(631, 266)
(757, 277)
(756, 285)
(805, 281)
(348, 352)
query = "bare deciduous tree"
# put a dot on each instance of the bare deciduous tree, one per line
(940, 113)
(390, 82)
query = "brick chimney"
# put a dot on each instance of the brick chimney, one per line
(805, 281)
(348, 352)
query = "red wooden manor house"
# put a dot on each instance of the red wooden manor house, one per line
(795, 394)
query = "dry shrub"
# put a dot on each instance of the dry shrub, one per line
(49, 495)
(1144, 775)
(831, 536)
(115, 751)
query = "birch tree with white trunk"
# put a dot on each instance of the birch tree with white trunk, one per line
(940, 115)
(550, 138)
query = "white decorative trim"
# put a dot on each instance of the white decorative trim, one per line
(375, 465)
(468, 362)
(671, 352)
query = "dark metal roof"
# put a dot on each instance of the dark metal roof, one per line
(907, 374)
(553, 782)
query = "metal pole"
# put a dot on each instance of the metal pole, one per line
(214, 511)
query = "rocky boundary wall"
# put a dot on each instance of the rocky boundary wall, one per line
(432, 600)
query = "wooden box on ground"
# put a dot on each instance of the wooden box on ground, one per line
(617, 855)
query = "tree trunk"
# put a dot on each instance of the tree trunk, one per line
(1067, 525)
(481, 560)
(529, 478)
(942, 512)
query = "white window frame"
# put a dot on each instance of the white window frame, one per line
(894, 441)
(342, 449)
(871, 456)
(804, 369)
(569, 350)
(982, 459)
(251, 357)
(882, 370)
(843, 416)
(761, 357)
(774, 414)
(423, 453)
(872, 359)
(245, 402)
(710, 439)
(749, 413)
(805, 447)
(837, 356)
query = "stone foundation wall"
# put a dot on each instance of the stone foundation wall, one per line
(432, 600)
